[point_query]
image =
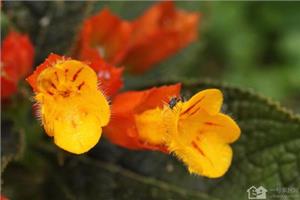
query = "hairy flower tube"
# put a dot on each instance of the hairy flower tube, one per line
(72, 108)
(195, 130)
(124, 127)
(130, 43)
(17, 54)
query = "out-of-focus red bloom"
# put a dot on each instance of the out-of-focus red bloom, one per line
(122, 128)
(110, 77)
(3, 198)
(102, 40)
(138, 45)
(159, 33)
(16, 61)
(104, 35)
(9, 82)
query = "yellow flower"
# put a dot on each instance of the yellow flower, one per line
(72, 108)
(195, 131)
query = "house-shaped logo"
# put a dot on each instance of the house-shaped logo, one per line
(257, 193)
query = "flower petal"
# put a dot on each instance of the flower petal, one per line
(17, 54)
(167, 31)
(209, 100)
(220, 123)
(206, 155)
(8, 88)
(110, 77)
(104, 34)
(76, 130)
(139, 101)
(224, 126)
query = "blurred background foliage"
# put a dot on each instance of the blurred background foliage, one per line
(246, 44)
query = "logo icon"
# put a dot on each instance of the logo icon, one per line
(257, 193)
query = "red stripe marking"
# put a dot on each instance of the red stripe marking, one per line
(76, 74)
(81, 84)
(197, 148)
(195, 111)
(213, 124)
(50, 93)
(66, 72)
(53, 85)
(190, 108)
(56, 76)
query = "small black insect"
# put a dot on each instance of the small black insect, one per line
(173, 101)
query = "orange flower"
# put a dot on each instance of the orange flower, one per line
(139, 44)
(123, 128)
(72, 108)
(16, 61)
(195, 131)
(159, 33)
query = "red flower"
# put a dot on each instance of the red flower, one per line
(16, 61)
(104, 35)
(2, 197)
(140, 44)
(110, 77)
(122, 128)
(8, 82)
(158, 34)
